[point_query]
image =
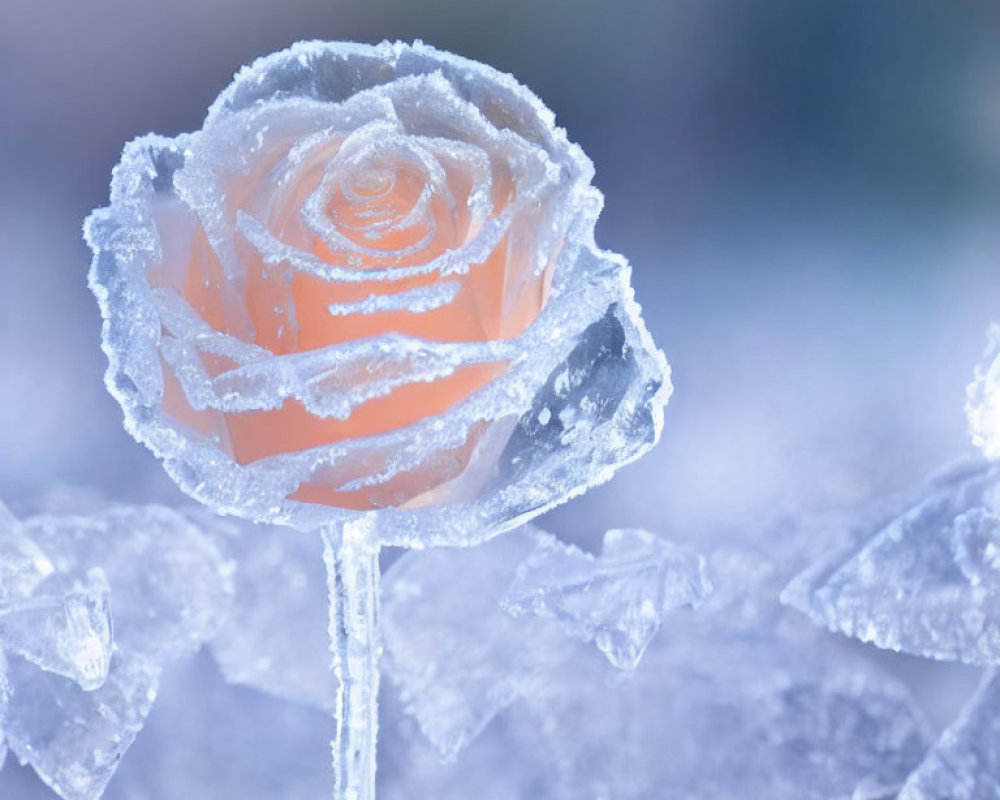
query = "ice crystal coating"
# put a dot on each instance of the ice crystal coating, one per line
(370, 281)
(983, 405)
(965, 762)
(617, 600)
(166, 589)
(455, 683)
(926, 581)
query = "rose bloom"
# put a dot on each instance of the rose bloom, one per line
(332, 294)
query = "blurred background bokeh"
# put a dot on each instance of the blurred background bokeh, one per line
(808, 193)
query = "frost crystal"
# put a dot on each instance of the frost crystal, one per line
(927, 582)
(461, 647)
(983, 406)
(617, 600)
(965, 763)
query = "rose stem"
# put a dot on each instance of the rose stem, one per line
(351, 556)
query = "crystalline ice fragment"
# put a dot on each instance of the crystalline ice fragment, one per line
(73, 738)
(456, 655)
(170, 589)
(926, 582)
(617, 600)
(66, 632)
(460, 656)
(170, 585)
(275, 637)
(965, 762)
(983, 403)
(23, 566)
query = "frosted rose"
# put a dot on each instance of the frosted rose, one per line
(348, 289)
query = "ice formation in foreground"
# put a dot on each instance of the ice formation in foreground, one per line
(925, 581)
(454, 685)
(76, 698)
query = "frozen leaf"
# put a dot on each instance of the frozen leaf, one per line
(617, 600)
(926, 582)
(965, 762)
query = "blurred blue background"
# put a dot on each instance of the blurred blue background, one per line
(808, 192)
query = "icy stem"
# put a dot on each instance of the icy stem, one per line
(351, 556)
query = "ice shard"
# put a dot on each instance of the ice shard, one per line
(456, 656)
(66, 630)
(728, 714)
(462, 641)
(168, 588)
(735, 700)
(75, 739)
(926, 581)
(965, 762)
(23, 566)
(617, 600)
